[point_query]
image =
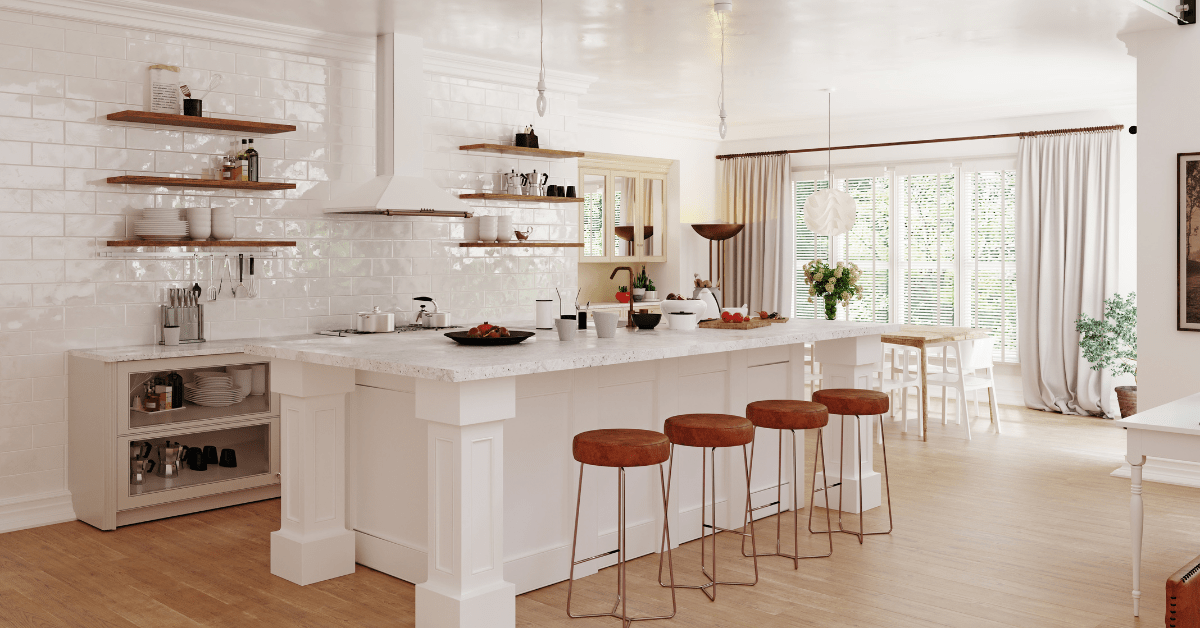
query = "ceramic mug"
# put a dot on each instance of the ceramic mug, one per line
(566, 328)
(487, 229)
(605, 323)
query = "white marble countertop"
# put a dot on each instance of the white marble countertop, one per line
(431, 355)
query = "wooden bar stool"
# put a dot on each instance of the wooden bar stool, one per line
(621, 449)
(792, 415)
(856, 402)
(710, 431)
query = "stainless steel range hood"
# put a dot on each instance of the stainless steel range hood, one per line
(399, 187)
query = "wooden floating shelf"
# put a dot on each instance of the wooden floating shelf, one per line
(197, 122)
(518, 244)
(521, 150)
(405, 212)
(184, 182)
(205, 243)
(521, 197)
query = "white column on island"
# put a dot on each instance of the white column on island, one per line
(849, 363)
(312, 543)
(465, 446)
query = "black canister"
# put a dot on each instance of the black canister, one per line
(533, 139)
(582, 316)
(175, 381)
(193, 107)
(522, 140)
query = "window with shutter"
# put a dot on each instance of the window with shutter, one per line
(990, 198)
(867, 246)
(809, 246)
(926, 260)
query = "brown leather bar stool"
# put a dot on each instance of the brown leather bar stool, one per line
(710, 431)
(621, 449)
(791, 415)
(856, 402)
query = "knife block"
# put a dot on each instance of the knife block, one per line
(190, 321)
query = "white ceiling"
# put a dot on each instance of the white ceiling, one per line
(659, 58)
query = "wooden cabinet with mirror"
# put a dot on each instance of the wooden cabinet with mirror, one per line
(623, 217)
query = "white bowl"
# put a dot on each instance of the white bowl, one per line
(688, 307)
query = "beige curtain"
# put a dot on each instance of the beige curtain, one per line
(1067, 194)
(757, 192)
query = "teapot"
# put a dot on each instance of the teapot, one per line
(169, 458)
(512, 182)
(139, 468)
(535, 186)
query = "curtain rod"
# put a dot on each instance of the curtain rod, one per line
(1089, 129)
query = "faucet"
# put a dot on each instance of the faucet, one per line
(630, 286)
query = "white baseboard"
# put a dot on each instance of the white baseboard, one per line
(1165, 472)
(38, 510)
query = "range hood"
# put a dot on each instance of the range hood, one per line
(399, 187)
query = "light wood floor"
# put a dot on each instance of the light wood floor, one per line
(1024, 529)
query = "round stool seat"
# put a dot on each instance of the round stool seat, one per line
(709, 430)
(787, 414)
(852, 401)
(621, 448)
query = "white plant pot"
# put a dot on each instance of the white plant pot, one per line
(639, 294)
(651, 295)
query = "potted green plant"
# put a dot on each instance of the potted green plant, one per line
(833, 283)
(641, 285)
(1111, 343)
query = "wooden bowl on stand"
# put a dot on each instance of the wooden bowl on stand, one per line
(716, 232)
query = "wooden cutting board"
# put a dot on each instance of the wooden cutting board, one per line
(750, 324)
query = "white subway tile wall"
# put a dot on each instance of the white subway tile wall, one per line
(58, 81)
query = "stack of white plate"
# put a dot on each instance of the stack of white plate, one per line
(213, 390)
(160, 224)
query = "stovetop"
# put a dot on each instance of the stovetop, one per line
(340, 333)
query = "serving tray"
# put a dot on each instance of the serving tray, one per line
(715, 323)
(513, 338)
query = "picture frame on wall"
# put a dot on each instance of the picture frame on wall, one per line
(1188, 176)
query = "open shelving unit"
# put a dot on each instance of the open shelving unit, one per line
(185, 182)
(516, 244)
(205, 243)
(547, 153)
(198, 122)
(486, 196)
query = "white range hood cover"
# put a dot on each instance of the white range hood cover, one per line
(400, 140)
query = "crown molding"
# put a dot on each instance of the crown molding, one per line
(637, 124)
(504, 72)
(188, 22)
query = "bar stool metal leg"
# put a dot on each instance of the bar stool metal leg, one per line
(858, 460)
(622, 597)
(796, 487)
(708, 482)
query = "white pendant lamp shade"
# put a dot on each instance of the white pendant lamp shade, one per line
(829, 212)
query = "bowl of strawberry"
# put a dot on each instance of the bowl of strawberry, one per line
(486, 335)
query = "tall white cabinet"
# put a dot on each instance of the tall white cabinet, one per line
(623, 218)
(104, 434)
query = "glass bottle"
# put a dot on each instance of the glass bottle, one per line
(243, 161)
(252, 162)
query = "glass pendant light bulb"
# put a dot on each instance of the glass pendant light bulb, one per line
(723, 128)
(541, 99)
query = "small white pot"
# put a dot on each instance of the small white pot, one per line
(171, 336)
(651, 295)
(639, 294)
(683, 321)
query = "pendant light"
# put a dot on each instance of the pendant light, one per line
(541, 99)
(829, 212)
(721, 7)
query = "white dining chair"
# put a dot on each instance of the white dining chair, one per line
(967, 367)
(897, 375)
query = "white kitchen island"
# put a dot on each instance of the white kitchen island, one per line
(450, 466)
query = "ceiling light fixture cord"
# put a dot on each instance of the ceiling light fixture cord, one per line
(721, 97)
(829, 136)
(541, 99)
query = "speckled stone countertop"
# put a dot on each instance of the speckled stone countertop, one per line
(430, 355)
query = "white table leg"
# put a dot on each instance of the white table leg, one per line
(465, 440)
(1135, 524)
(849, 363)
(312, 543)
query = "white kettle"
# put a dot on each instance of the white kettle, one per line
(710, 301)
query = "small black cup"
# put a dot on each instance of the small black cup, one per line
(570, 191)
(210, 454)
(193, 107)
(228, 458)
(522, 140)
(582, 320)
(195, 460)
(559, 191)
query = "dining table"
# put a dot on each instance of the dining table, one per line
(923, 337)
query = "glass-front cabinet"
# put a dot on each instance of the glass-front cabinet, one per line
(624, 212)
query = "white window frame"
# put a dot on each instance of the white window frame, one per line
(893, 171)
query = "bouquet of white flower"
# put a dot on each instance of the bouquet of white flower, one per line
(837, 283)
